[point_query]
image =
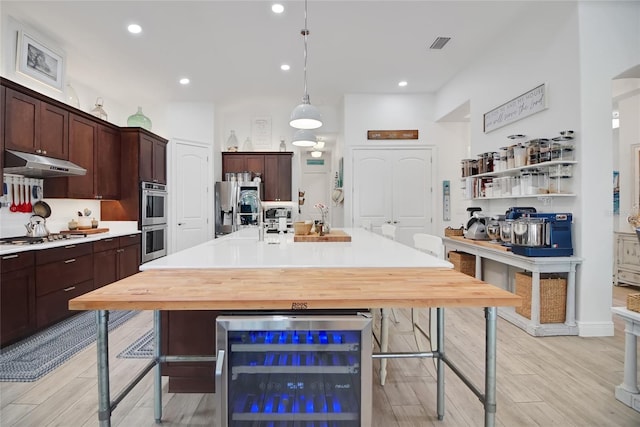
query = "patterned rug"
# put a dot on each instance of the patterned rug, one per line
(32, 358)
(142, 348)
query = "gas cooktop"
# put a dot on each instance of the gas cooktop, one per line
(25, 240)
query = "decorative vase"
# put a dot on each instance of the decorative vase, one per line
(98, 111)
(72, 97)
(283, 146)
(232, 142)
(247, 145)
(139, 120)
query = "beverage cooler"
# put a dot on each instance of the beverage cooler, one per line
(291, 370)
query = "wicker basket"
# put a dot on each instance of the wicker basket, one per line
(463, 262)
(553, 297)
(633, 302)
(448, 232)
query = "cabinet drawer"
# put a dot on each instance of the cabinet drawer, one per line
(105, 244)
(63, 274)
(628, 277)
(54, 306)
(132, 239)
(72, 250)
(12, 262)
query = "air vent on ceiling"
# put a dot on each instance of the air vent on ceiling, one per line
(439, 42)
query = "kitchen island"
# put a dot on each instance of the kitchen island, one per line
(238, 272)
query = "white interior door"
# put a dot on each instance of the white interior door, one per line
(393, 186)
(315, 184)
(193, 195)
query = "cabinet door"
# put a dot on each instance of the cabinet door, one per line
(232, 163)
(17, 305)
(107, 164)
(160, 162)
(105, 267)
(128, 261)
(22, 122)
(146, 158)
(2, 120)
(83, 135)
(54, 134)
(277, 177)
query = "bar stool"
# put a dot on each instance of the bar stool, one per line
(432, 245)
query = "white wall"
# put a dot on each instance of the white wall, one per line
(363, 112)
(576, 49)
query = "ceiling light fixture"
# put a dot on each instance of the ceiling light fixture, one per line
(134, 29)
(305, 115)
(402, 83)
(184, 81)
(285, 67)
(277, 8)
(304, 138)
(316, 154)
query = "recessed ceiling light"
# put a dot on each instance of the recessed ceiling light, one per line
(285, 67)
(277, 8)
(134, 29)
(184, 81)
(402, 83)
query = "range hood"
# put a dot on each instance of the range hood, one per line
(36, 166)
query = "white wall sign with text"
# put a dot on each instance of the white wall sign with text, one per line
(261, 132)
(518, 108)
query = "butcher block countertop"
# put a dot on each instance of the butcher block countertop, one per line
(294, 288)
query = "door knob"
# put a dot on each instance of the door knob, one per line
(180, 223)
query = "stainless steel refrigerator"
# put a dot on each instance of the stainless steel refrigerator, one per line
(237, 204)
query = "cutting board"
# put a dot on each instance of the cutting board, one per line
(85, 231)
(484, 243)
(334, 236)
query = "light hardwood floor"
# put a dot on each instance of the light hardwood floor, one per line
(550, 381)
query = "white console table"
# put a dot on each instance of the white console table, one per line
(535, 265)
(628, 392)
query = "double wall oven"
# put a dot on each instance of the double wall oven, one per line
(153, 220)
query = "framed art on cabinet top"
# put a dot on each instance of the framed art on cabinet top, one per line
(39, 61)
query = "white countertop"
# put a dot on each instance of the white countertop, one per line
(243, 250)
(11, 249)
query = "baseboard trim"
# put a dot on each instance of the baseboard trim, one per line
(595, 329)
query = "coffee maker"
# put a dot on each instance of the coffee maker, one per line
(557, 236)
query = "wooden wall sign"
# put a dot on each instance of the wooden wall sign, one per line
(392, 134)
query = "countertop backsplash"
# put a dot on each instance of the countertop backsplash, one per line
(62, 211)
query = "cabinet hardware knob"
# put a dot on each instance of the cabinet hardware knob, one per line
(108, 240)
(120, 250)
(10, 256)
(70, 288)
(69, 261)
(70, 246)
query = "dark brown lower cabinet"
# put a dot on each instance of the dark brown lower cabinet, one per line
(61, 274)
(115, 258)
(189, 333)
(17, 297)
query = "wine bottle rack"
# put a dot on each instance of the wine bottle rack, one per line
(295, 377)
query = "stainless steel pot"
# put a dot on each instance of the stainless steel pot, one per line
(529, 232)
(493, 230)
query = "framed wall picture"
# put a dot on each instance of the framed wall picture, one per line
(39, 61)
(261, 132)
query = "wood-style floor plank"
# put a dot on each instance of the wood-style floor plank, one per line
(542, 381)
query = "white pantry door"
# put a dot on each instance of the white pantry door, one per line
(192, 195)
(393, 186)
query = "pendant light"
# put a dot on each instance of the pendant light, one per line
(305, 115)
(304, 138)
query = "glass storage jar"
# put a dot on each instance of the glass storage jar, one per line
(560, 185)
